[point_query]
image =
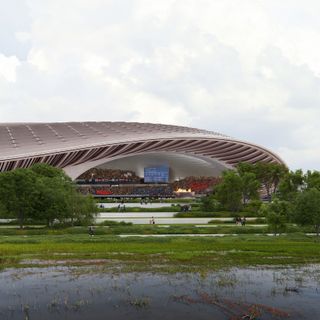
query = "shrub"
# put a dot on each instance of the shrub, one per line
(111, 223)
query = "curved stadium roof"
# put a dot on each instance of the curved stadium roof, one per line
(71, 144)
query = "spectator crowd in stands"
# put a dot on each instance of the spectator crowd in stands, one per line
(96, 175)
(144, 191)
(107, 182)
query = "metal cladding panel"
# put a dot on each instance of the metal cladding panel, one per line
(75, 143)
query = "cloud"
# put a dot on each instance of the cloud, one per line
(249, 69)
(8, 67)
(14, 20)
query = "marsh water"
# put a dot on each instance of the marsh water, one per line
(93, 292)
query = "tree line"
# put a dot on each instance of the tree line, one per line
(289, 196)
(43, 193)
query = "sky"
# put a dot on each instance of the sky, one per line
(248, 69)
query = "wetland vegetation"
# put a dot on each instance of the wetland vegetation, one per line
(53, 269)
(97, 292)
(147, 254)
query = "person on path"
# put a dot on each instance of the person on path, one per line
(91, 231)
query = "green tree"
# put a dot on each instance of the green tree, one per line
(270, 175)
(240, 183)
(276, 222)
(277, 214)
(312, 179)
(43, 193)
(249, 187)
(254, 206)
(18, 190)
(229, 191)
(52, 201)
(59, 200)
(209, 204)
(83, 209)
(3, 211)
(292, 183)
(307, 209)
(245, 167)
(45, 170)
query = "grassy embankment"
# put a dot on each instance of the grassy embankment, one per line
(196, 211)
(189, 214)
(73, 246)
(157, 254)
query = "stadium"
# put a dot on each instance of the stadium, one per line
(128, 158)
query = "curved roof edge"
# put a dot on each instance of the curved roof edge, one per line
(73, 143)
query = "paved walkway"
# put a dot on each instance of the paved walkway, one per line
(176, 235)
(137, 205)
(204, 235)
(159, 217)
(123, 215)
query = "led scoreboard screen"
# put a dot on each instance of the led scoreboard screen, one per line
(156, 174)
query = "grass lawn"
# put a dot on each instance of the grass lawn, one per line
(164, 254)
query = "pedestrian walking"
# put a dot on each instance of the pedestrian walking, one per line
(91, 231)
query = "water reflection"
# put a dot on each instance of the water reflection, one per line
(92, 292)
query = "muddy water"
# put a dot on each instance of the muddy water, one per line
(94, 293)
